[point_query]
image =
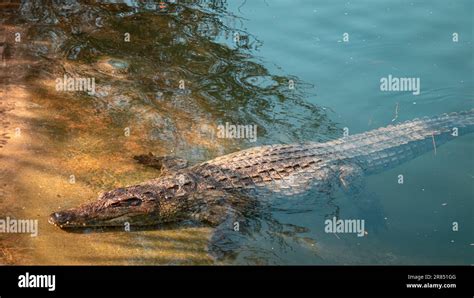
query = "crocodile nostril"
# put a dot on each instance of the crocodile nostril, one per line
(58, 218)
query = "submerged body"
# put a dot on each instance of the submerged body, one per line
(227, 187)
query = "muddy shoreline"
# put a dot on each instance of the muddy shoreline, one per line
(13, 102)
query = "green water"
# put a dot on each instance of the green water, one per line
(405, 39)
(139, 107)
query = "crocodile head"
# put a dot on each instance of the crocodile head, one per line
(138, 205)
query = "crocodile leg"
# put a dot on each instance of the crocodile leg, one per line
(228, 236)
(232, 216)
(352, 182)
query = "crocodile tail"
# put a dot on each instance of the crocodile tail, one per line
(390, 146)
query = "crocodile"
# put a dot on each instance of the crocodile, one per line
(226, 187)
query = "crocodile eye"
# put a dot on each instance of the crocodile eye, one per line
(148, 194)
(127, 202)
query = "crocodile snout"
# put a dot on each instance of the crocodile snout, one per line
(61, 218)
